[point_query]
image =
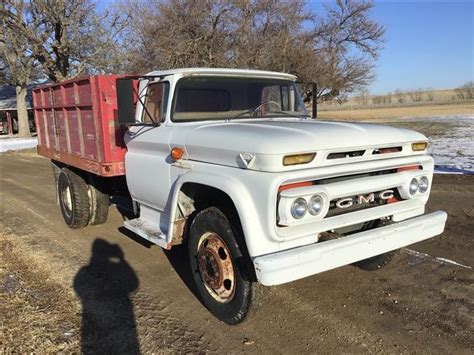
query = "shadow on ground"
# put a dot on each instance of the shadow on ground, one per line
(104, 287)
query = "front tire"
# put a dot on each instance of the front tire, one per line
(379, 261)
(73, 199)
(218, 266)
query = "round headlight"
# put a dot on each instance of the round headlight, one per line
(299, 208)
(413, 186)
(315, 204)
(424, 184)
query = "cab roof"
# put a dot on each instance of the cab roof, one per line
(224, 72)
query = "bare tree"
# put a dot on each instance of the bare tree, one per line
(337, 49)
(17, 67)
(65, 37)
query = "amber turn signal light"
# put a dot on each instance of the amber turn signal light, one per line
(298, 159)
(419, 146)
(177, 153)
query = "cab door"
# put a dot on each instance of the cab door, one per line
(147, 161)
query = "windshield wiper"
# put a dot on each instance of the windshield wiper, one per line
(247, 112)
(290, 114)
(252, 111)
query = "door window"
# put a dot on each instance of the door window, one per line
(156, 103)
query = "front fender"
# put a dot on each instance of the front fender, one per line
(250, 218)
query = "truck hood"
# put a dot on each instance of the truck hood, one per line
(261, 144)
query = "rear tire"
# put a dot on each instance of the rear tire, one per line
(99, 202)
(219, 268)
(73, 199)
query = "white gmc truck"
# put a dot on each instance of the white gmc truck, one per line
(229, 163)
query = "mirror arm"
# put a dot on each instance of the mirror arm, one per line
(314, 94)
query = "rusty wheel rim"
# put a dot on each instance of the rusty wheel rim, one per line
(216, 267)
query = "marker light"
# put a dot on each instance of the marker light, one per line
(298, 159)
(419, 146)
(177, 153)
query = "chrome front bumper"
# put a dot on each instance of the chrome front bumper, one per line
(293, 264)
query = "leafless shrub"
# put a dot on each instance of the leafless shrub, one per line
(466, 91)
(430, 94)
(416, 95)
(378, 99)
(400, 96)
(387, 98)
(459, 93)
(362, 97)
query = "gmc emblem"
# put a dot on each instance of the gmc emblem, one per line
(361, 199)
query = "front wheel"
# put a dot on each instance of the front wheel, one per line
(219, 268)
(378, 261)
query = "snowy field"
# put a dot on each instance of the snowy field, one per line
(455, 148)
(9, 144)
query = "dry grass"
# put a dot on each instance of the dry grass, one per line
(38, 314)
(395, 112)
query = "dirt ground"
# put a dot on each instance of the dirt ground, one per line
(59, 293)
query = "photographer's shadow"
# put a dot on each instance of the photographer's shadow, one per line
(104, 286)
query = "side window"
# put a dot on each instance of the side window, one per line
(156, 102)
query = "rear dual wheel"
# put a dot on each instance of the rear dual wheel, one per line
(73, 199)
(80, 203)
(219, 267)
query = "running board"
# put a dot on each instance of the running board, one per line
(148, 231)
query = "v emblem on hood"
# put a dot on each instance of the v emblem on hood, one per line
(248, 159)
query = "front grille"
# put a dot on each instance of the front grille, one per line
(351, 154)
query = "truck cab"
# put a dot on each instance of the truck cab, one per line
(229, 163)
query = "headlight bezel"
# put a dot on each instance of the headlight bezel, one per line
(286, 201)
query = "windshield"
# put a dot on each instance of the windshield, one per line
(211, 98)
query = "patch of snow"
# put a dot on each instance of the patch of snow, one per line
(9, 144)
(454, 149)
(437, 259)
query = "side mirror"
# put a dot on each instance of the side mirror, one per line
(125, 102)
